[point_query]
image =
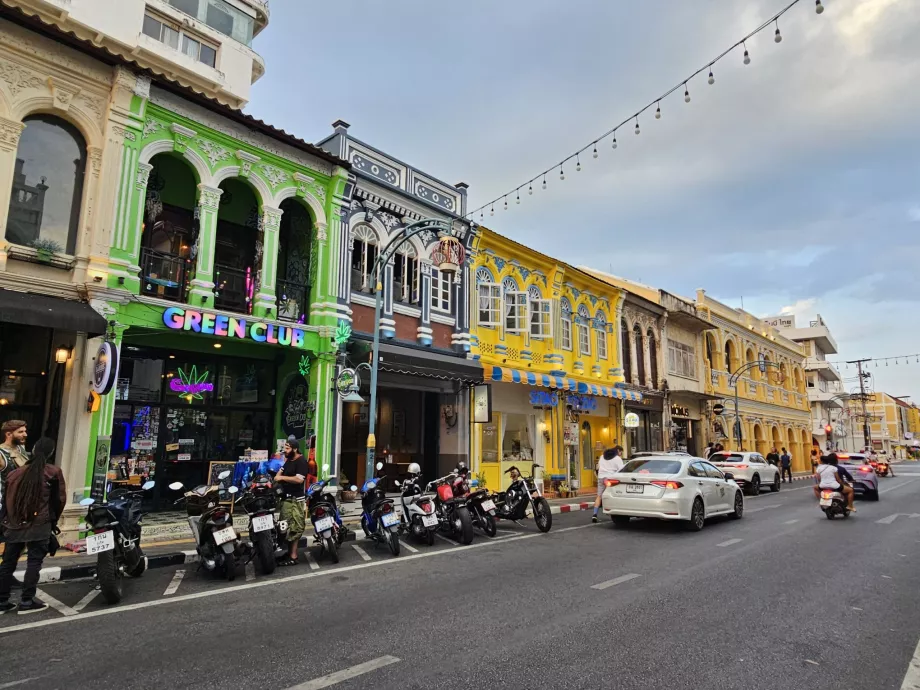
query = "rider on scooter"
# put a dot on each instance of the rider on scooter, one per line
(830, 476)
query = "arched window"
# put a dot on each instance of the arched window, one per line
(583, 331)
(406, 275)
(540, 320)
(47, 185)
(710, 351)
(566, 336)
(295, 244)
(729, 356)
(363, 256)
(640, 354)
(753, 372)
(652, 358)
(600, 334)
(626, 353)
(489, 299)
(515, 307)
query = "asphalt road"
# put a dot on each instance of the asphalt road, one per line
(782, 599)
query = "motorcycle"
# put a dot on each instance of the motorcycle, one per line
(481, 506)
(379, 518)
(115, 538)
(453, 511)
(329, 532)
(266, 536)
(524, 493)
(882, 468)
(833, 503)
(418, 511)
(216, 541)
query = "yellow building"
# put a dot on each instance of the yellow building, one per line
(545, 334)
(770, 379)
(885, 423)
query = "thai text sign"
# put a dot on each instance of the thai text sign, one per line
(223, 326)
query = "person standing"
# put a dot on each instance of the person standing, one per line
(814, 460)
(786, 462)
(292, 476)
(707, 451)
(12, 452)
(773, 457)
(607, 465)
(36, 496)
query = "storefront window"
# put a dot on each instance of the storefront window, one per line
(24, 358)
(517, 441)
(490, 440)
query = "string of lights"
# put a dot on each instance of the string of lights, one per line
(515, 193)
(878, 361)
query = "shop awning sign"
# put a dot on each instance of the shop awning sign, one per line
(631, 420)
(224, 326)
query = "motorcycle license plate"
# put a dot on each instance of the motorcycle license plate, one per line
(826, 501)
(488, 505)
(635, 488)
(323, 524)
(262, 523)
(430, 520)
(97, 543)
(224, 535)
(389, 519)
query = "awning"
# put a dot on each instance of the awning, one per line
(398, 359)
(563, 383)
(29, 309)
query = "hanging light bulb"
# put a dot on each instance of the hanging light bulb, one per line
(561, 172)
(577, 163)
(544, 180)
(777, 36)
(686, 94)
(482, 215)
(506, 203)
(712, 79)
(530, 189)
(492, 210)
(518, 200)
(614, 144)
(819, 8)
(657, 113)
(595, 149)
(747, 56)
(637, 126)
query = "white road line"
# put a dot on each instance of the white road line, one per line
(569, 529)
(80, 605)
(616, 581)
(250, 572)
(311, 561)
(790, 522)
(361, 552)
(174, 583)
(346, 674)
(757, 510)
(443, 538)
(273, 582)
(730, 542)
(21, 681)
(773, 495)
(896, 486)
(912, 677)
(887, 577)
(410, 549)
(856, 608)
(55, 604)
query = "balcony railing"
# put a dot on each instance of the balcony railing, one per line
(163, 275)
(233, 288)
(293, 301)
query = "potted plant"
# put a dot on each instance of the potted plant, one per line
(347, 493)
(45, 249)
(564, 489)
(481, 479)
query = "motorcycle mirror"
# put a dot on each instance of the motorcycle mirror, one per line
(379, 465)
(87, 501)
(148, 486)
(326, 468)
(224, 474)
(396, 482)
(82, 527)
(232, 490)
(353, 488)
(175, 486)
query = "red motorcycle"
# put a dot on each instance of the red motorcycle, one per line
(481, 506)
(452, 510)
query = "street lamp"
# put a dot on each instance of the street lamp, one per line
(733, 382)
(449, 256)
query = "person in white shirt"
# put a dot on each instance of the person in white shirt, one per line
(827, 476)
(608, 465)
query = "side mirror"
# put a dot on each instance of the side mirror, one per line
(353, 488)
(326, 468)
(728, 476)
(232, 490)
(175, 486)
(87, 501)
(396, 482)
(223, 475)
(379, 465)
(148, 486)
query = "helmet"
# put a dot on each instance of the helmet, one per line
(414, 468)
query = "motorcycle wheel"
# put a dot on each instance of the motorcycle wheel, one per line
(110, 578)
(367, 532)
(489, 526)
(542, 515)
(429, 537)
(332, 550)
(265, 555)
(393, 543)
(466, 526)
(229, 567)
(140, 567)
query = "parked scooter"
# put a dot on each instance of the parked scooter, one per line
(115, 538)
(481, 506)
(524, 493)
(328, 530)
(379, 518)
(833, 503)
(418, 511)
(266, 536)
(453, 512)
(216, 541)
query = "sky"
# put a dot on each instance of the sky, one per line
(789, 185)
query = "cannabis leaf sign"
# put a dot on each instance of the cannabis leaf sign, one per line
(342, 334)
(190, 385)
(304, 366)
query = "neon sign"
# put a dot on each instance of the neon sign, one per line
(191, 385)
(223, 326)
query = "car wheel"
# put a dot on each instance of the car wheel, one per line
(775, 487)
(755, 485)
(738, 511)
(697, 516)
(620, 520)
(872, 495)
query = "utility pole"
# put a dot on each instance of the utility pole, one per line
(867, 437)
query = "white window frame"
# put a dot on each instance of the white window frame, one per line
(489, 301)
(365, 237)
(542, 327)
(409, 292)
(681, 359)
(584, 339)
(441, 286)
(601, 342)
(183, 36)
(566, 330)
(515, 304)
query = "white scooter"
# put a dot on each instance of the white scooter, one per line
(418, 512)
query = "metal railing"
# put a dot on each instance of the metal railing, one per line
(293, 301)
(232, 288)
(163, 275)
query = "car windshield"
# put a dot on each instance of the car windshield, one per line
(652, 466)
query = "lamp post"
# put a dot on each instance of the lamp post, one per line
(450, 257)
(733, 382)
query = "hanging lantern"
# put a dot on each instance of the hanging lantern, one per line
(448, 256)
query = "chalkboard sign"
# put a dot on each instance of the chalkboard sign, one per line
(215, 469)
(100, 468)
(295, 408)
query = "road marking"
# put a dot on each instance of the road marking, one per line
(912, 677)
(361, 552)
(814, 663)
(896, 486)
(449, 541)
(311, 561)
(616, 581)
(773, 495)
(856, 608)
(346, 674)
(730, 542)
(14, 683)
(569, 529)
(887, 577)
(250, 572)
(790, 522)
(174, 583)
(757, 510)
(891, 518)
(411, 549)
(55, 604)
(273, 582)
(80, 605)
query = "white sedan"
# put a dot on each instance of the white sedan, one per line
(671, 488)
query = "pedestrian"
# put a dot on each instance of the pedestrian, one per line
(35, 498)
(12, 452)
(608, 465)
(786, 461)
(707, 451)
(815, 457)
(773, 457)
(292, 476)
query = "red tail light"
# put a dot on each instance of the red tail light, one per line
(826, 494)
(737, 467)
(219, 514)
(611, 482)
(667, 485)
(387, 507)
(865, 468)
(319, 512)
(427, 507)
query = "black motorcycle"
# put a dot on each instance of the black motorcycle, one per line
(452, 509)
(328, 530)
(523, 493)
(114, 528)
(480, 504)
(260, 502)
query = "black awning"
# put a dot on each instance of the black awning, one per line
(417, 362)
(29, 309)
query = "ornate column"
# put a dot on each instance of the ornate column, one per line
(648, 361)
(634, 369)
(387, 322)
(424, 323)
(202, 292)
(267, 270)
(10, 131)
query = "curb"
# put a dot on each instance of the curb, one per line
(570, 507)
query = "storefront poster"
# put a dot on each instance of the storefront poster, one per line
(100, 468)
(570, 433)
(631, 421)
(295, 407)
(482, 403)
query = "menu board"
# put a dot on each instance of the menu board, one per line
(100, 468)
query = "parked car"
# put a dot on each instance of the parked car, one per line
(649, 454)
(671, 487)
(865, 480)
(751, 470)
